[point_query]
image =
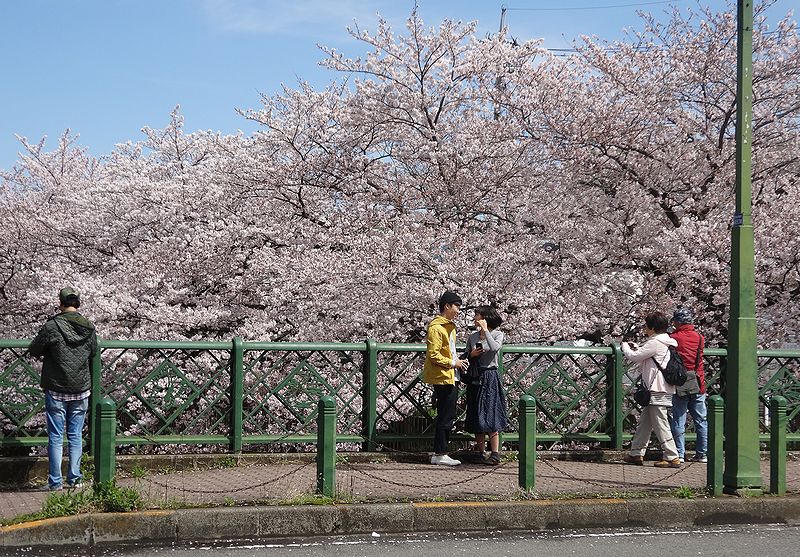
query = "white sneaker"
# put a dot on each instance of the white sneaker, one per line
(445, 460)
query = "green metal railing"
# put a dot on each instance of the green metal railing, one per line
(238, 395)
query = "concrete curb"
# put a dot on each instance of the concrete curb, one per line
(264, 522)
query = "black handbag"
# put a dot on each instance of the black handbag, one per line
(641, 395)
(473, 375)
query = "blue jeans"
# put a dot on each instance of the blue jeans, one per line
(58, 413)
(696, 406)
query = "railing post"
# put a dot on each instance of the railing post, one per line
(615, 397)
(105, 419)
(500, 373)
(326, 446)
(527, 442)
(777, 445)
(237, 394)
(369, 395)
(96, 372)
(716, 420)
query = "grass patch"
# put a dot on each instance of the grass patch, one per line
(87, 465)
(510, 456)
(139, 472)
(105, 497)
(226, 462)
(684, 492)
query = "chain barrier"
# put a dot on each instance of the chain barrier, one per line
(492, 470)
(239, 489)
(605, 486)
(231, 490)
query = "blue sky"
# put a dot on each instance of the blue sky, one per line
(106, 68)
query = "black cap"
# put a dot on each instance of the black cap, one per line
(449, 298)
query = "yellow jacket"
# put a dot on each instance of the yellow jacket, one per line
(438, 358)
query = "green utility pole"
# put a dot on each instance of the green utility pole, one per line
(742, 472)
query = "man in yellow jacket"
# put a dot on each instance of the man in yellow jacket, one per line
(441, 370)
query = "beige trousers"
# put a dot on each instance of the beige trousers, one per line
(654, 419)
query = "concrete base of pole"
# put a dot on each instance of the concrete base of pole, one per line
(743, 491)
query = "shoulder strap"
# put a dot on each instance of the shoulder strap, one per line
(700, 345)
(659, 366)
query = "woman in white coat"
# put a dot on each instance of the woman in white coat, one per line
(654, 416)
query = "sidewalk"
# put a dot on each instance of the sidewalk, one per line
(361, 481)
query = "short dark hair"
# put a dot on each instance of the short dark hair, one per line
(449, 298)
(657, 321)
(493, 319)
(71, 302)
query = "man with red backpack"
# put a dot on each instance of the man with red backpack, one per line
(690, 396)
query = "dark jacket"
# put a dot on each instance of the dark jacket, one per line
(68, 342)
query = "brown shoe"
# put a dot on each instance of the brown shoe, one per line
(676, 463)
(636, 460)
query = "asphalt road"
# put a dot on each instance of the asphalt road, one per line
(743, 541)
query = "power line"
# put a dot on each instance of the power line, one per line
(607, 7)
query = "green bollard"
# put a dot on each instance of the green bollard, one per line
(105, 419)
(716, 421)
(777, 446)
(527, 443)
(326, 446)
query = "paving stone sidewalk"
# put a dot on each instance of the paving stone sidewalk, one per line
(398, 481)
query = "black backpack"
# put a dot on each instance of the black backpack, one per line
(675, 371)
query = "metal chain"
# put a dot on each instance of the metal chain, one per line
(675, 473)
(236, 490)
(571, 477)
(493, 470)
(584, 480)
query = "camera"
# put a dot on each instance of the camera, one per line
(478, 346)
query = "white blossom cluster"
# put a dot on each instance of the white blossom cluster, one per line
(574, 193)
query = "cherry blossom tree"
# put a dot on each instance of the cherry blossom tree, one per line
(574, 193)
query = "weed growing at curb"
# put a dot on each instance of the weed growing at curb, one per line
(87, 465)
(684, 492)
(227, 462)
(113, 499)
(138, 472)
(105, 497)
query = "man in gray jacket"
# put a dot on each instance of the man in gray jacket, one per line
(68, 343)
